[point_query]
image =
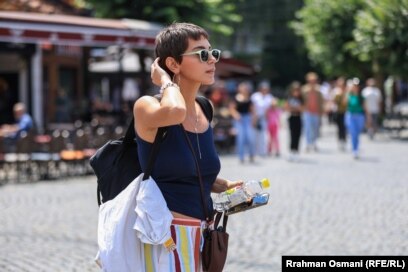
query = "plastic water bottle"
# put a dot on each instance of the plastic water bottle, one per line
(237, 195)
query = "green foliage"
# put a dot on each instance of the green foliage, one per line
(381, 36)
(326, 27)
(356, 37)
(214, 15)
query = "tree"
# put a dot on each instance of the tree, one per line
(356, 37)
(327, 29)
(214, 15)
(381, 37)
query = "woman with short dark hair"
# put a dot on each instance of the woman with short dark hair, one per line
(185, 61)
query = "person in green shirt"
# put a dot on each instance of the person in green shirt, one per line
(355, 115)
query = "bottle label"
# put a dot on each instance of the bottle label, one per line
(237, 197)
(253, 188)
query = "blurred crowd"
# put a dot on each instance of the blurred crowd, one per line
(249, 116)
(247, 121)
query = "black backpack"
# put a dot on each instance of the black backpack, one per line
(116, 164)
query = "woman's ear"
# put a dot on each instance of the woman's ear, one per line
(172, 65)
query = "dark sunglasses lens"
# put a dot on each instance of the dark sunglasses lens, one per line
(216, 54)
(204, 55)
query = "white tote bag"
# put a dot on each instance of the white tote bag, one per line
(153, 217)
(122, 226)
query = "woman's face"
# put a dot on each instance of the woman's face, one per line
(341, 83)
(355, 88)
(296, 92)
(243, 89)
(193, 69)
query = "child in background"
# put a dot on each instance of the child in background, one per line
(273, 118)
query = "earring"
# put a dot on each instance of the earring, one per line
(178, 81)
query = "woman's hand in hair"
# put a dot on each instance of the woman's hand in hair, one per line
(158, 75)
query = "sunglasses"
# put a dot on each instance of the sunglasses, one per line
(205, 54)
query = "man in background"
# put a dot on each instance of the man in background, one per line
(24, 123)
(313, 110)
(372, 100)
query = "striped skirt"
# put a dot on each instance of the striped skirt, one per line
(186, 234)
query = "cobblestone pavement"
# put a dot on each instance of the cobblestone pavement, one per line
(325, 204)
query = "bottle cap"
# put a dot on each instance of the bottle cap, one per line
(230, 191)
(265, 183)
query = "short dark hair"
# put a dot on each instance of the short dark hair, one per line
(172, 41)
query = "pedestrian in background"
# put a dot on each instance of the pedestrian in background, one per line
(262, 100)
(11, 133)
(273, 119)
(313, 110)
(294, 106)
(355, 115)
(341, 107)
(242, 111)
(327, 90)
(373, 100)
(24, 123)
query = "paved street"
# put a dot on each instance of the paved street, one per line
(326, 204)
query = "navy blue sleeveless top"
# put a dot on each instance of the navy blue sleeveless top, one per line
(175, 172)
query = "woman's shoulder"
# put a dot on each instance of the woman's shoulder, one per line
(147, 99)
(144, 102)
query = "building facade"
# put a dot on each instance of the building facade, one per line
(44, 58)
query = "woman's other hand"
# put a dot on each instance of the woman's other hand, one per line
(233, 184)
(220, 185)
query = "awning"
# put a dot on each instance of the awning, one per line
(229, 67)
(23, 27)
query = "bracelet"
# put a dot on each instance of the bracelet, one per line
(169, 84)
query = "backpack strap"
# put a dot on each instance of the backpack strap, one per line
(130, 132)
(98, 194)
(206, 106)
(154, 151)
